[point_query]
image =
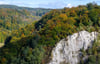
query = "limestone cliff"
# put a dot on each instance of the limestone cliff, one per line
(68, 50)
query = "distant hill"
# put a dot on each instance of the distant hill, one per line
(14, 17)
(33, 11)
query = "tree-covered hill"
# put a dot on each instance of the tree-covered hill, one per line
(13, 17)
(33, 11)
(33, 44)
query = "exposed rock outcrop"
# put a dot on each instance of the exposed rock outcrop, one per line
(68, 50)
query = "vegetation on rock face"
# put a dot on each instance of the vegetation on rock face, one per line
(92, 54)
(33, 44)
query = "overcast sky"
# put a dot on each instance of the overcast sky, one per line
(48, 3)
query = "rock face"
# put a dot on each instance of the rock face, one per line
(68, 50)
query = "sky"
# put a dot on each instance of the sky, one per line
(48, 3)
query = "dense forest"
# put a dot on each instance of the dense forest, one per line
(33, 43)
(13, 18)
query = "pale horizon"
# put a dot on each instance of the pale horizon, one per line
(53, 4)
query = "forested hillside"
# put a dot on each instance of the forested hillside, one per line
(34, 43)
(33, 11)
(13, 18)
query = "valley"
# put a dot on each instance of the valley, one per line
(13, 18)
(50, 36)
